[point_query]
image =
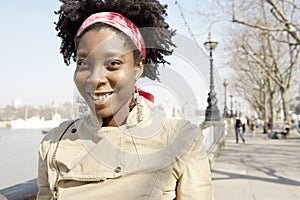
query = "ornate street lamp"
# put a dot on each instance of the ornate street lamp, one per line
(236, 108)
(212, 112)
(231, 106)
(225, 114)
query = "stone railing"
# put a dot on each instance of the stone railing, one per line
(214, 138)
(23, 191)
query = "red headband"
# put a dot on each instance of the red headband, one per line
(120, 22)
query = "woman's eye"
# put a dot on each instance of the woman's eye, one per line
(82, 64)
(114, 64)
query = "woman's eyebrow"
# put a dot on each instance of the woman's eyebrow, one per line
(119, 54)
(81, 54)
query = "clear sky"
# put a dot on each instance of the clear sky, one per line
(32, 70)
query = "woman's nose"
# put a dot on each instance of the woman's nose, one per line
(97, 77)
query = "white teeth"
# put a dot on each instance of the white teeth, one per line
(101, 96)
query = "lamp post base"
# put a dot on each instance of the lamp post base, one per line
(225, 114)
(212, 114)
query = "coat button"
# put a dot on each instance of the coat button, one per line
(73, 130)
(118, 169)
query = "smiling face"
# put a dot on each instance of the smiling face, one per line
(106, 74)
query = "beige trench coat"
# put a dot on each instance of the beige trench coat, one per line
(158, 158)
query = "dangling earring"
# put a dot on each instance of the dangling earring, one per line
(138, 100)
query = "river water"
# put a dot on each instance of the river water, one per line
(18, 155)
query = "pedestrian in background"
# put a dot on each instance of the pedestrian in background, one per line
(239, 130)
(244, 123)
(252, 126)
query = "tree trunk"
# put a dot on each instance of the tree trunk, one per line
(285, 105)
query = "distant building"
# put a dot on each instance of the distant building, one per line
(16, 103)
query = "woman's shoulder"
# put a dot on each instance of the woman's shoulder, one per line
(187, 139)
(187, 132)
(181, 125)
(53, 136)
(56, 132)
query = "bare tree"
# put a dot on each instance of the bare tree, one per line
(276, 48)
(249, 55)
(265, 34)
(279, 21)
(285, 12)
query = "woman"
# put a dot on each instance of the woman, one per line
(121, 150)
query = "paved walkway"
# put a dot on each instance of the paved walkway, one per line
(260, 169)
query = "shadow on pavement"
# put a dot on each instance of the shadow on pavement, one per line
(271, 172)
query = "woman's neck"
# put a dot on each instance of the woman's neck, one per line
(118, 119)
